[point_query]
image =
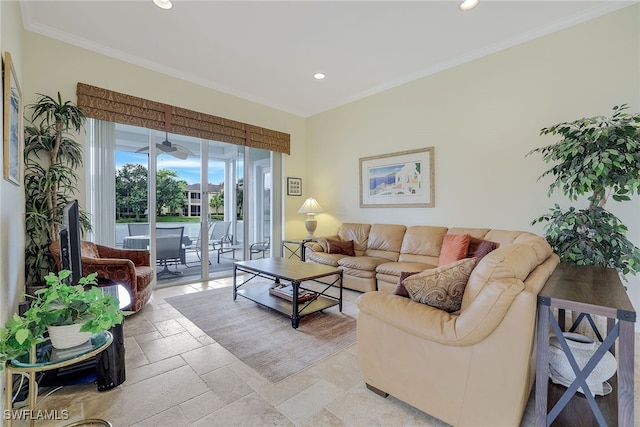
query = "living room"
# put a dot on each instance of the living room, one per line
(481, 117)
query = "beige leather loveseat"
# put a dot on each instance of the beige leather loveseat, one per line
(472, 367)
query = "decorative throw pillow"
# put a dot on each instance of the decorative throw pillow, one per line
(478, 248)
(441, 287)
(454, 248)
(341, 247)
(400, 289)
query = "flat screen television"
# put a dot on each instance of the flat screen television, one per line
(70, 242)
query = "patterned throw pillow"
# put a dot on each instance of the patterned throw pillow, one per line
(341, 247)
(441, 287)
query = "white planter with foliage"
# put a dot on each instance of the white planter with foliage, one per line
(67, 336)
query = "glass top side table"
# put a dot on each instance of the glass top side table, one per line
(44, 358)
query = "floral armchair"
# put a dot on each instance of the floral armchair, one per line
(128, 267)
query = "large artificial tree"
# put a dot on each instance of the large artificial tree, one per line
(598, 157)
(52, 158)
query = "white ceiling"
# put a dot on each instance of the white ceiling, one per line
(268, 51)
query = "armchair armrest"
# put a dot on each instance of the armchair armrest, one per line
(139, 257)
(469, 327)
(118, 270)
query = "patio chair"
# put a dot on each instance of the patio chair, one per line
(219, 234)
(196, 246)
(138, 229)
(218, 237)
(260, 247)
(169, 249)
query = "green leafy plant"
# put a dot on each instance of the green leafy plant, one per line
(60, 304)
(56, 305)
(51, 158)
(598, 157)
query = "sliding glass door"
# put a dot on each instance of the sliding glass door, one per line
(196, 205)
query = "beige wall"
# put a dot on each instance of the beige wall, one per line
(482, 118)
(11, 196)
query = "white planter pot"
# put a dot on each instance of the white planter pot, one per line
(582, 348)
(67, 336)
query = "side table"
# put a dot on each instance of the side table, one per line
(294, 248)
(44, 358)
(586, 290)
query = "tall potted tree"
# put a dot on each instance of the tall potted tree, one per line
(52, 158)
(598, 157)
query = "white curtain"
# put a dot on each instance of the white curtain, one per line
(101, 181)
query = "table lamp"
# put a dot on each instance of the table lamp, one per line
(310, 207)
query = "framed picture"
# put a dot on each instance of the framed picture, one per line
(294, 186)
(12, 141)
(403, 179)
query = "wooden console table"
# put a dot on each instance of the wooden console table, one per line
(586, 290)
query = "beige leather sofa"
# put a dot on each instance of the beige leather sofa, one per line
(474, 367)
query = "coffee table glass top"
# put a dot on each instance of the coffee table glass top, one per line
(47, 355)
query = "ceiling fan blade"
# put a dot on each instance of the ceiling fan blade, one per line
(143, 150)
(184, 149)
(179, 155)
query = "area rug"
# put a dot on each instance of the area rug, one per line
(263, 338)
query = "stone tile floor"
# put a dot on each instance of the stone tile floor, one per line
(178, 376)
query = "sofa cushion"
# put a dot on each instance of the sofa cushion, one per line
(340, 247)
(400, 288)
(478, 248)
(324, 258)
(423, 240)
(454, 248)
(396, 268)
(441, 287)
(386, 238)
(366, 263)
(359, 233)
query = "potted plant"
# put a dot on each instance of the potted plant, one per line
(51, 158)
(598, 157)
(59, 305)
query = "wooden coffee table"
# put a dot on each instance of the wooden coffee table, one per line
(295, 272)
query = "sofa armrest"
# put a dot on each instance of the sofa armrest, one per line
(139, 257)
(319, 244)
(469, 327)
(314, 246)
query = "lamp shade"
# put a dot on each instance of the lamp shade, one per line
(310, 206)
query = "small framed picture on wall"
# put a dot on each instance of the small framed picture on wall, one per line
(294, 186)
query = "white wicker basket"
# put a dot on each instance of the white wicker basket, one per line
(582, 348)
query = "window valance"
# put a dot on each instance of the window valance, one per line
(104, 104)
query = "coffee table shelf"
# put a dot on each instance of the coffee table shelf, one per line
(295, 272)
(261, 295)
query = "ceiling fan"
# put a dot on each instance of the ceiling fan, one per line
(175, 150)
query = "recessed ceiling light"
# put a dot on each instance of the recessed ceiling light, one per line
(468, 5)
(319, 76)
(163, 4)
